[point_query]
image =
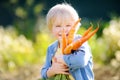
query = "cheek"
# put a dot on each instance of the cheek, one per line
(54, 32)
(67, 29)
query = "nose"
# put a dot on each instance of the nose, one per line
(65, 29)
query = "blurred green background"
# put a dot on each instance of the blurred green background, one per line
(24, 36)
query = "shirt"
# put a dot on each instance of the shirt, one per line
(79, 62)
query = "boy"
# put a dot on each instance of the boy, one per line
(78, 64)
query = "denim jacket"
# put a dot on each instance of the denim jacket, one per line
(79, 62)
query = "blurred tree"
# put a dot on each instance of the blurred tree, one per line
(91, 9)
(22, 14)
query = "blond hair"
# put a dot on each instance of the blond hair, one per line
(61, 12)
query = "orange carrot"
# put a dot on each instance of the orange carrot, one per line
(87, 31)
(68, 49)
(72, 32)
(91, 34)
(75, 45)
(64, 40)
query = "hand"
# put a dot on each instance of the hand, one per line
(59, 59)
(57, 68)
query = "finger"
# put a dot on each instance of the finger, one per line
(65, 65)
(64, 70)
(67, 73)
(62, 63)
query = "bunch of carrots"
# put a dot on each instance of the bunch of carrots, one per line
(68, 45)
(67, 41)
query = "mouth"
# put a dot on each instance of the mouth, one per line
(66, 34)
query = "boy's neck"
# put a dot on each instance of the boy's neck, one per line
(59, 44)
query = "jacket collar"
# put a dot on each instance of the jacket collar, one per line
(54, 47)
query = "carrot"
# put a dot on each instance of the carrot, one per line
(87, 31)
(64, 40)
(72, 32)
(68, 49)
(75, 45)
(79, 42)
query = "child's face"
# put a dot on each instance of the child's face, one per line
(58, 26)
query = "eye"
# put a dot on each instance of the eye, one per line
(68, 25)
(58, 26)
